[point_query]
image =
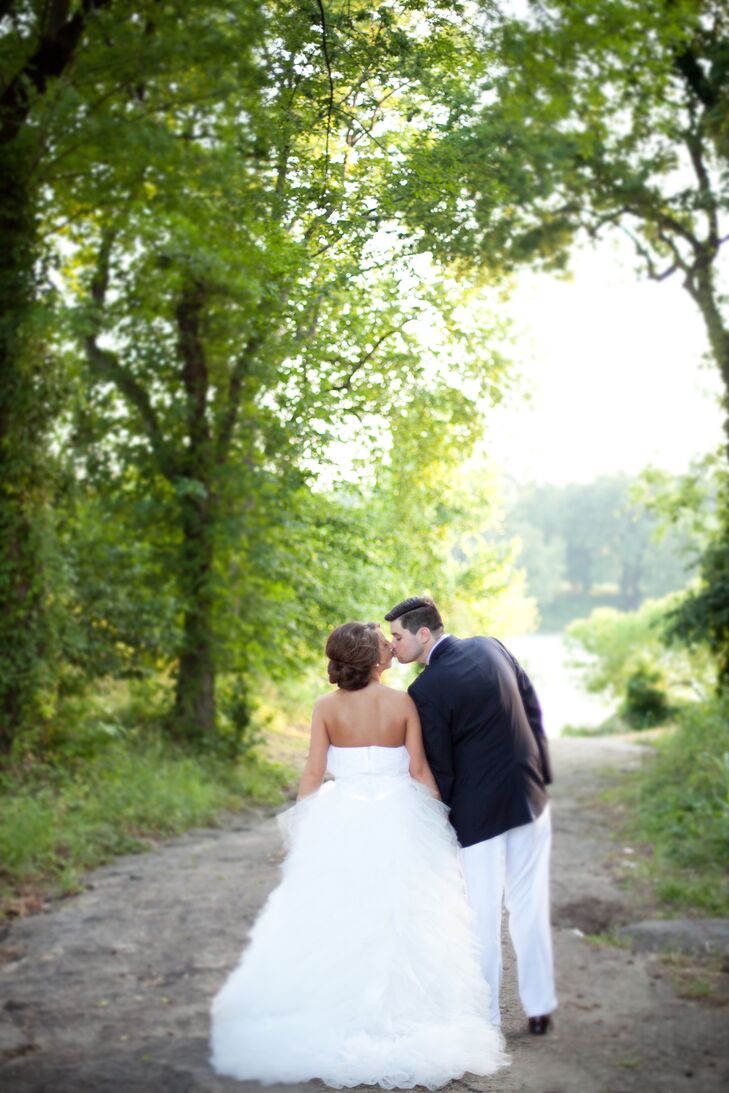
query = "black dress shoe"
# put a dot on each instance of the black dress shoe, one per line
(539, 1025)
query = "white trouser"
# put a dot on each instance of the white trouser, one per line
(514, 867)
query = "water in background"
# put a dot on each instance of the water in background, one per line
(562, 696)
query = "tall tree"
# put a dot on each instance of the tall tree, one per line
(243, 288)
(39, 45)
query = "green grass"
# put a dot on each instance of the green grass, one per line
(678, 806)
(60, 818)
(613, 726)
(616, 725)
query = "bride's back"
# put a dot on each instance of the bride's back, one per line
(374, 715)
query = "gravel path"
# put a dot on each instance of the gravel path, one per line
(109, 990)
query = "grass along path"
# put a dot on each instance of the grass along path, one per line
(59, 820)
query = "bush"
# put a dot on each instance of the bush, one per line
(646, 702)
(238, 734)
(63, 816)
(680, 807)
(625, 651)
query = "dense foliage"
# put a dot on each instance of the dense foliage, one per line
(678, 809)
(233, 391)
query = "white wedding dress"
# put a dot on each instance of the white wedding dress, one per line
(362, 967)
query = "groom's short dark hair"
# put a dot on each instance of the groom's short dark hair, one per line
(416, 612)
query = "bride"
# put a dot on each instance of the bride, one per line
(362, 967)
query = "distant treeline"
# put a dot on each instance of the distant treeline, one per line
(595, 543)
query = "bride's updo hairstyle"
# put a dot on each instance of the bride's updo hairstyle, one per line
(353, 650)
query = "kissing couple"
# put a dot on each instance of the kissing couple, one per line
(377, 959)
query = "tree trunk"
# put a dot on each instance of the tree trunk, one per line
(27, 640)
(715, 565)
(25, 637)
(700, 285)
(195, 699)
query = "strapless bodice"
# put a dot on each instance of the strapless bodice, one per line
(350, 762)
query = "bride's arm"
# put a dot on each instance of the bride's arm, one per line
(316, 763)
(419, 769)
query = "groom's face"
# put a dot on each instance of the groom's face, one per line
(406, 646)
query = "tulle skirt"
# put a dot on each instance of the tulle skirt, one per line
(362, 967)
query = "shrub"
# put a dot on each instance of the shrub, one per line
(624, 655)
(680, 806)
(646, 702)
(60, 818)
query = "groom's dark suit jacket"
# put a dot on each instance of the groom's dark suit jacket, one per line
(483, 734)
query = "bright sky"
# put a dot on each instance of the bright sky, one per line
(615, 370)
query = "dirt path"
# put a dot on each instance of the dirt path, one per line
(109, 990)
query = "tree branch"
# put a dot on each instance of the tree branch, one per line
(353, 120)
(694, 145)
(306, 327)
(235, 389)
(344, 385)
(330, 101)
(665, 222)
(54, 53)
(693, 74)
(647, 257)
(106, 366)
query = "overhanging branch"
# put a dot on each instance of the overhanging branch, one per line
(362, 361)
(330, 98)
(235, 389)
(53, 54)
(106, 365)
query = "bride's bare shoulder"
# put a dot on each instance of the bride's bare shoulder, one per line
(398, 698)
(324, 701)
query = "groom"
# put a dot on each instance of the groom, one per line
(483, 735)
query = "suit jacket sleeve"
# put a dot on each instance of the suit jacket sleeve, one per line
(534, 714)
(438, 742)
